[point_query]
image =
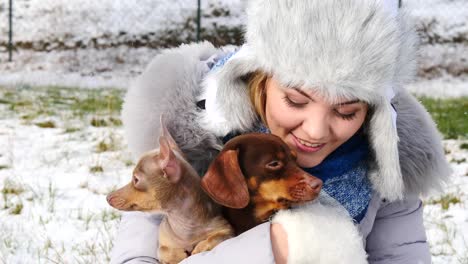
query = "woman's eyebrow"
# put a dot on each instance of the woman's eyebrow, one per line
(303, 93)
(349, 102)
(339, 104)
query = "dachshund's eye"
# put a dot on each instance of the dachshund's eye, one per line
(274, 165)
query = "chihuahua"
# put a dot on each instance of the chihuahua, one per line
(163, 181)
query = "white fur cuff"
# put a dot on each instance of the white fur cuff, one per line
(321, 234)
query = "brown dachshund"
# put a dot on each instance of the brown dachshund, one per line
(163, 181)
(256, 175)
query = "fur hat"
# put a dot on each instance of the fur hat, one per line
(353, 49)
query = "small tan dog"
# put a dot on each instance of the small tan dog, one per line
(163, 181)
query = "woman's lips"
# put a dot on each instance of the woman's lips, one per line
(305, 148)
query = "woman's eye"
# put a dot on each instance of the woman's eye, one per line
(291, 103)
(350, 116)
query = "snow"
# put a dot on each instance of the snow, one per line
(65, 217)
(87, 44)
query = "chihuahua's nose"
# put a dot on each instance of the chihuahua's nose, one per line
(109, 198)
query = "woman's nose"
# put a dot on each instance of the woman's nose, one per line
(316, 127)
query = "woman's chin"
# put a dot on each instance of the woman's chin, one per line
(308, 163)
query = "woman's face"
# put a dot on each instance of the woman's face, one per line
(309, 124)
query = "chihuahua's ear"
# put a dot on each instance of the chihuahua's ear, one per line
(224, 181)
(165, 133)
(168, 161)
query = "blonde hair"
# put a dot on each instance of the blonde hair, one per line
(256, 85)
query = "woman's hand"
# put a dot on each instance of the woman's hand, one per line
(279, 243)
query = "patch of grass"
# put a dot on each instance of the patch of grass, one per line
(109, 215)
(129, 163)
(107, 144)
(4, 167)
(115, 121)
(10, 187)
(464, 146)
(46, 124)
(104, 122)
(99, 122)
(96, 169)
(450, 115)
(99, 101)
(32, 102)
(103, 147)
(71, 130)
(17, 209)
(3, 101)
(29, 117)
(18, 105)
(458, 161)
(445, 201)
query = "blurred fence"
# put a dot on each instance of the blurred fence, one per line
(43, 25)
(46, 25)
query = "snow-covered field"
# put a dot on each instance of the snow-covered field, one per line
(62, 150)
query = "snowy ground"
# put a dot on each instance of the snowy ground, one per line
(57, 164)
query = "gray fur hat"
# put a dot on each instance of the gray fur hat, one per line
(354, 49)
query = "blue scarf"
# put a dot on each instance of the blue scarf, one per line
(344, 175)
(343, 172)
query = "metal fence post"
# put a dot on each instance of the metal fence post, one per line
(10, 32)
(399, 3)
(198, 20)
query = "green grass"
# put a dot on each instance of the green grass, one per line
(17, 209)
(101, 107)
(11, 187)
(46, 124)
(34, 102)
(96, 169)
(450, 115)
(445, 201)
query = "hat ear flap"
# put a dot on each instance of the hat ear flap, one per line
(383, 138)
(224, 181)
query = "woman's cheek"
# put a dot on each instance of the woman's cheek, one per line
(282, 117)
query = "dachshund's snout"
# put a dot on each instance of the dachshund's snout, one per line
(314, 183)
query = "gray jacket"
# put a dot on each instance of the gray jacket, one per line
(392, 232)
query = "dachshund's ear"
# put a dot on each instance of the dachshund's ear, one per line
(224, 181)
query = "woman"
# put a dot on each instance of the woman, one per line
(325, 76)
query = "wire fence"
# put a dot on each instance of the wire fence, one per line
(50, 25)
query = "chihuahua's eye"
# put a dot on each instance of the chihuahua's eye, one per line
(274, 165)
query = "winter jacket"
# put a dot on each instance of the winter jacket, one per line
(393, 232)
(408, 161)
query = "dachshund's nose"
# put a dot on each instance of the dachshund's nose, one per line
(315, 183)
